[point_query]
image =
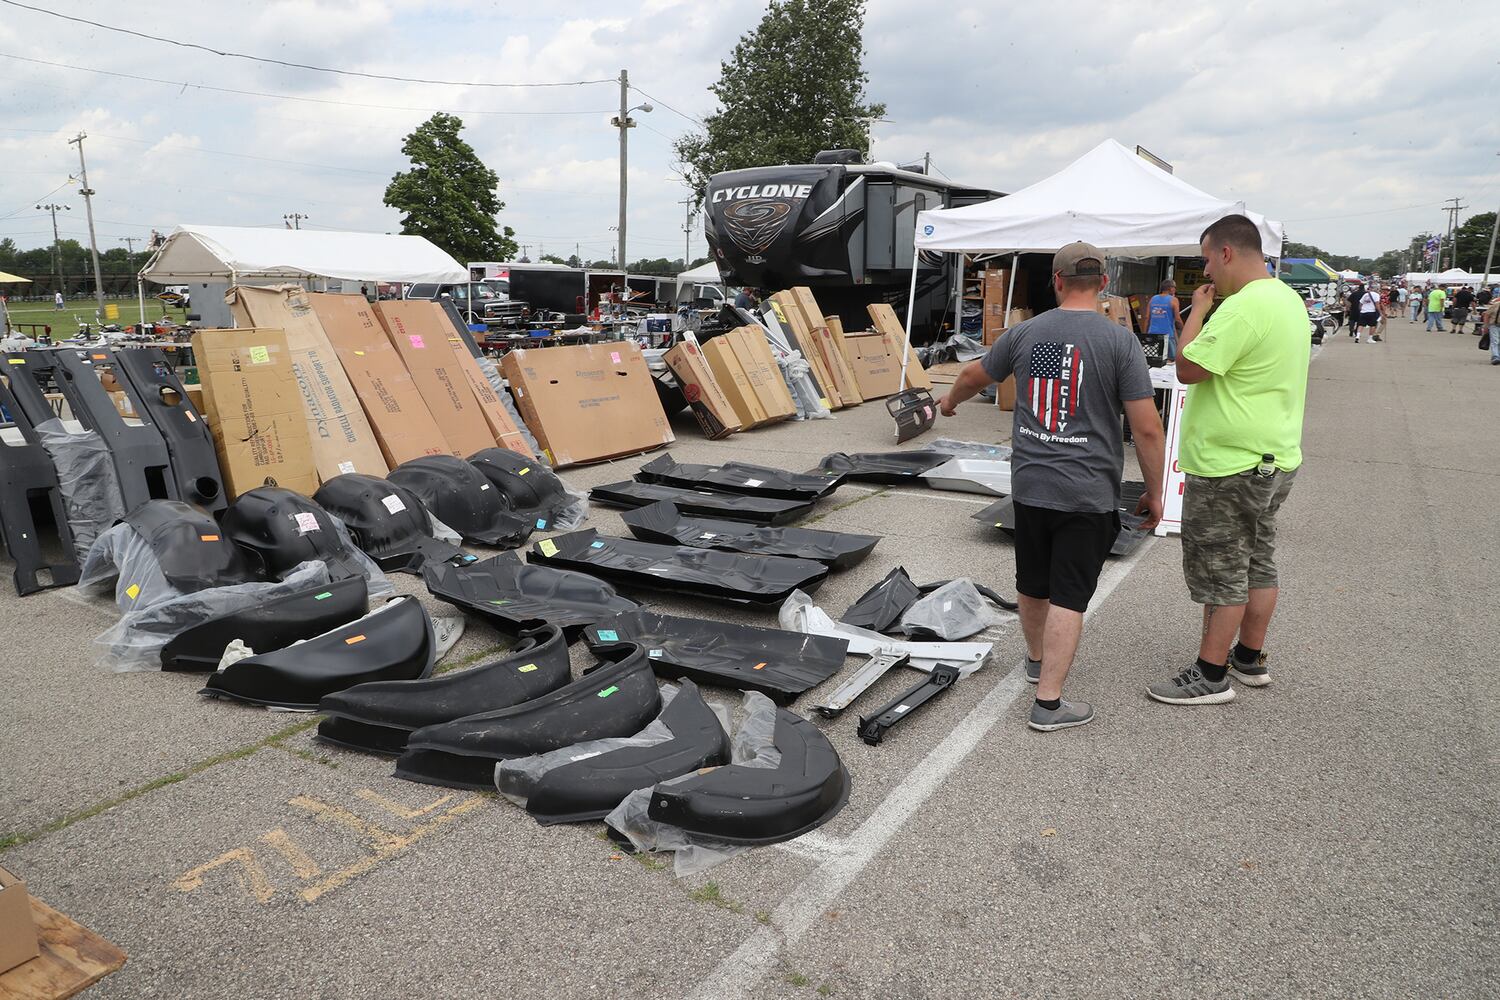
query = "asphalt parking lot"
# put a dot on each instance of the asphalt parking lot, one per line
(1331, 835)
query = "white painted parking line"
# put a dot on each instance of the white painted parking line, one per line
(740, 974)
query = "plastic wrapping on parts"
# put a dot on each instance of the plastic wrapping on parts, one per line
(663, 523)
(28, 481)
(738, 477)
(704, 503)
(531, 490)
(800, 614)
(706, 573)
(461, 497)
(393, 642)
(889, 467)
(873, 727)
(955, 610)
(797, 374)
(86, 476)
(585, 781)
(616, 699)
(388, 522)
(774, 662)
(379, 717)
(269, 624)
(163, 549)
(969, 449)
(514, 596)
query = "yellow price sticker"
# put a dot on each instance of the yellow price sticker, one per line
(133, 591)
(548, 547)
(259, 355)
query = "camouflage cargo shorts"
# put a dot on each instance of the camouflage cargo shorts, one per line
(1229, 535)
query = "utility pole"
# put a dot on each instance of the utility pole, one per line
(687, 233)
(927, 164)
(1489, 258)
(56, 244)
(624, 122)
(88, 207)
(294, 220)
(130, 242)
(1452, 211)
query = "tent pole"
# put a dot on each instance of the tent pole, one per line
(234, 280)
(1010, 287)
(911, 305)
(140, 294)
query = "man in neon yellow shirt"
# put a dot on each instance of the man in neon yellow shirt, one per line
(1246, 369)
(1437, 300)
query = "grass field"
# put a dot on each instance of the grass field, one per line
(78, 311)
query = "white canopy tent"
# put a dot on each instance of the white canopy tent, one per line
(236, 253)
(1452, 276)
(1109, 197)
(704, 274)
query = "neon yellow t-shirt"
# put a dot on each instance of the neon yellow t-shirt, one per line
(1436, 299)
(1257, 346)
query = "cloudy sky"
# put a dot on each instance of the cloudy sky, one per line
(1352, 123)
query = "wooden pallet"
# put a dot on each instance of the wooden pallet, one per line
(73, 958)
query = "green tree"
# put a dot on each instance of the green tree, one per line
(1473, 239)
(793, 86)
(449, 195)
(552, 258)
(573, 260)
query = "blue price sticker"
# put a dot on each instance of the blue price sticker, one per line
(608, 635)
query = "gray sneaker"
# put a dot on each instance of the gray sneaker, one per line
(1255, 674)
(1191, 688)
(1033, 671)
(1064, 716)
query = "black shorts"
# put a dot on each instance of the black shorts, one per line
(1371, 320)
(1059, 553)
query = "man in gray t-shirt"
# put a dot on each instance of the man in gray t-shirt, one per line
(1075, 372)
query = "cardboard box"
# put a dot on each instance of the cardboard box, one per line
(733, 382)
(255, 410)
(877, 365)
(496, 416)
(423, 345)
(341, 437)
(1117, 308)
(1005, 395)
(762, 372)
(710, 406)
(18, 941)
(589, 402)
(884, 319)
(403, 424)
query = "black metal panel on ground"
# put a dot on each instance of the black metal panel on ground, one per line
(663, 523)
(617, 699)
(461, 497)
(394, 642)
(704, 503)
(872, 728)
(761, 805)
(738, 477)
(528, 487)
(1002, 514)
(379, 716)
(514, 596)
(387, 521)
(279, 528)
(881, 607)
(142, 462)
(889, 467)
(764, 581)
(779, 664)
(155, 390)
(271, 625)
(589, 788)
(189, 547)
(28, 485)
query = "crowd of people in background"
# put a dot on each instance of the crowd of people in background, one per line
(1367, 307)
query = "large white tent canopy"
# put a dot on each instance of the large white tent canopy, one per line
(1452, 276)
(204, 253)
(1109, 197)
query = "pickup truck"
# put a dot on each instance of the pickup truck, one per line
(489, 305)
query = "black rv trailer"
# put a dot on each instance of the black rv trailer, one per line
(841, 227)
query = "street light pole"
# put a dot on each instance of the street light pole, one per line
(56, 243)
(88, 207)
(623, 122)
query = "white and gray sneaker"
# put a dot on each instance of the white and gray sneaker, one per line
(1065, 716)
(1255, 674)
(1033, 670)
(1191, 688)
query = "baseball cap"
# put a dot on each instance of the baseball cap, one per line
(1078, 260)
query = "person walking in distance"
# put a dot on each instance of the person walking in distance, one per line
(1165, 318)
(1075, 371)
(1491, 321)
(1352, 303)
(57, 300)
(1417, 298)
(1369, 315)
(1241, 446)
(1437, 299)
(1463, 301)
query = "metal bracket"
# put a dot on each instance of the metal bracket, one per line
(874, 668)
(872, 729)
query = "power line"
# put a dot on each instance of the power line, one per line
(40, 197)
(1355, 215)
(638, 90)
(291, 65)
(181, 84)
(223, 152)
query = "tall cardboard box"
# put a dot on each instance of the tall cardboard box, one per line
(423, 346)
(587, 403)
(883, 317)
(876, 365)
(18, 941)
(496, 416)
(402, 423)
(341, 437)
(254, 409)
(714, 412)
(762, 372)
(725, 365)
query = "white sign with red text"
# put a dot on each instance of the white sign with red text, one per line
(1175, 479)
